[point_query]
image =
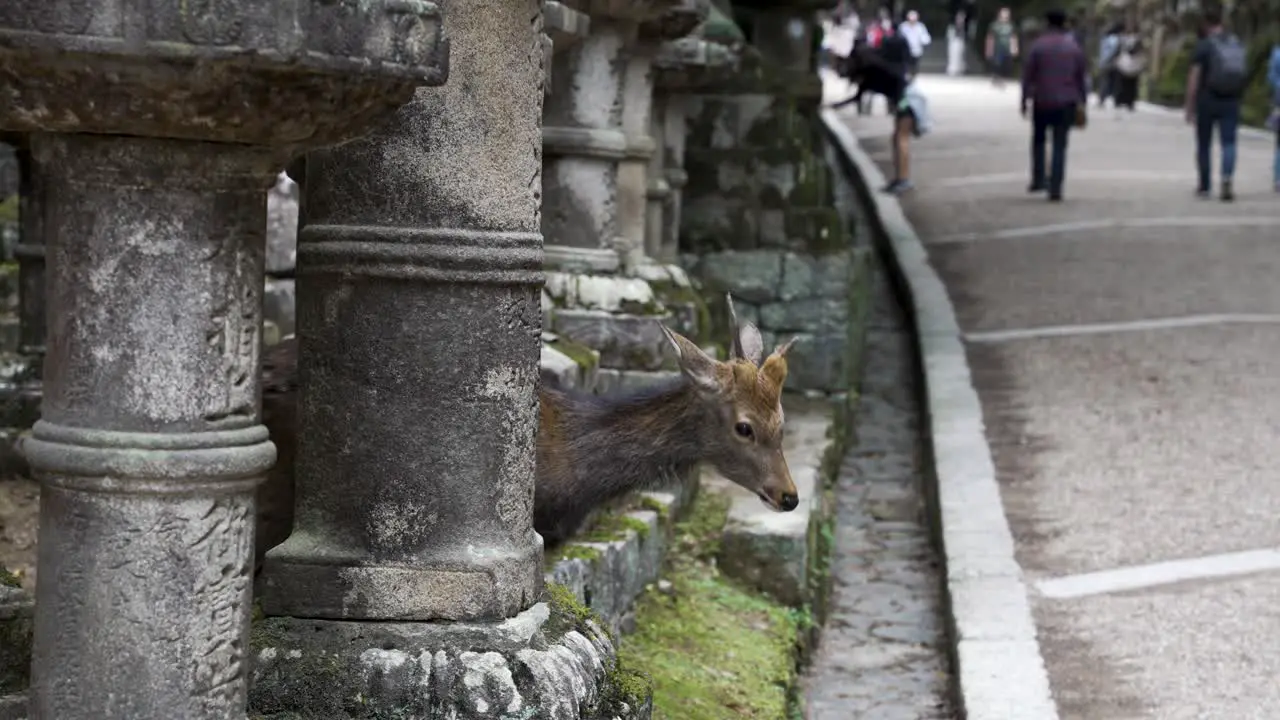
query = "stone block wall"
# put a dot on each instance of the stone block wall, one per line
(759, 212)
(788, 294)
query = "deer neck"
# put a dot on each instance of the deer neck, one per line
(640, 438)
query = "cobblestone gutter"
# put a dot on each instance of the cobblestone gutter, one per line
(998, 672)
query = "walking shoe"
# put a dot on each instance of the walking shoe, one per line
(898, 187)
(1036, 187)
(1055, 196)
(1227, 194)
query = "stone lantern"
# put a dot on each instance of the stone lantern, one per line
(157, 129)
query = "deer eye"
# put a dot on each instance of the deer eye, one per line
(744, 430)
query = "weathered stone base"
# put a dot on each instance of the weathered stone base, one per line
(611, 565)
(554, 661)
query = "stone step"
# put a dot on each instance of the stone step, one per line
(624, 341)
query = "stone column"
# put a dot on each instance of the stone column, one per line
(413, 578)
(415, 464)
(683, 66)
(583, 141)
(154, 180)
(658, 193)
(633, 177)
(149, 447)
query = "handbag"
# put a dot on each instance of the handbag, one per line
(1082, 116)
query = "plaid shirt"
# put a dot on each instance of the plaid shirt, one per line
(1053, 75)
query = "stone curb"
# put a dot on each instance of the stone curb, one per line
(998, 668)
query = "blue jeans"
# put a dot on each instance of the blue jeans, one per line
(1276, 172)
(1225, 113)
(1058, 123)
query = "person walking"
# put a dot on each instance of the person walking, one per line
(1108, 51)
(1001, 47)
(1273, 79)
(1054, 85)
(1215, 84)
(1130, 63)
(917, 36)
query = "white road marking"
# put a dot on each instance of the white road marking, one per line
(1109, 224)
(1168, 323)
(1163, 573)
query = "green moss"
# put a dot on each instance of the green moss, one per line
(609, 528)
(9, 209)
(567, 613)
(673, 295)
(8, 579)
(713, 650)
(571, 551)
(662, 509)
(629, 686)
(585, 357)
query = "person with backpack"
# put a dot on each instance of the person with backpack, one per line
(1130, 63)
(1273, 80)
(1215, 85)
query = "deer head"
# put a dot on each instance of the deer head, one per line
(743, 397)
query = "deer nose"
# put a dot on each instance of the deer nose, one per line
(789, 502)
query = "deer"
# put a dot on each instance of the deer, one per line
(593, 450)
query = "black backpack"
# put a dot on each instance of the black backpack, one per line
(1227, 73)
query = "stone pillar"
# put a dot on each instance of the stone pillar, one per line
(683, 66)
(413, 578)
(583, 141)
(633, 178)
(428, 226)
(150, 444)
(149, 447)
(658, 193)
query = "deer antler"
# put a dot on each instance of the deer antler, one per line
(734, 338)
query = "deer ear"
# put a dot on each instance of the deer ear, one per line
(752, 344)
(781, 350)
(775, 366)
(746, 340)
(696, 365)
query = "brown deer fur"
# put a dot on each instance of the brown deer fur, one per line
(594, 449)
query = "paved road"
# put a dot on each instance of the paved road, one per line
(1126, 347)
